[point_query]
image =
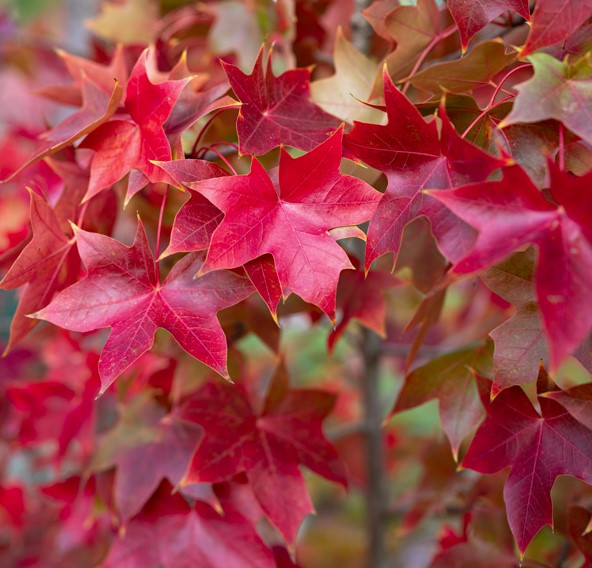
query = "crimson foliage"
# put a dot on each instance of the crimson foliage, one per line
(271, 202)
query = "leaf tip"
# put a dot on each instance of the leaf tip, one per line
(495, 390)
(275, 317)
(75, 228)
(166, 252)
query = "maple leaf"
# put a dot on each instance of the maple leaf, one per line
(558, 90)
(413, 28)
(197, 218)
(554, 21)
(449, 379)
(264, 277)
(577, 401)
(81, 70)
(537, 448)
(486, 541)
(97, 108)
(147, 445)
(290, 222)
(193, 103)
(340, 95)
(39, 267)
(129, 145)
(579, 522)
(520, 342)
(472, 15)
(49, 262)
(512, 213)
(120, 292)
(268, 445)
(413, 157)
(277, 110)
(376, 14)
(476, 69)
(361, 297)
(172, 534)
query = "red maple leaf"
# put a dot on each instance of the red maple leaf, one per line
(537, 448)
(277, 110)
(472, 15)
(413, 157)
(290, 222)
(39, 267)
(197, 219)
(82, 69)
(449, 379)
(172, 534)
(361, 297)
(129, 144)
(121, 291)
(554, 21)
(577, 401)
(147, 446)
(50, 261)
(97, 108)
(512, 213)
(268, 445)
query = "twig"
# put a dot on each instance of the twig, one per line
(375, 491)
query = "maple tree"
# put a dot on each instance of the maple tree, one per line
(263, 259)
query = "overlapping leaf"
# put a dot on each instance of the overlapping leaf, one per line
(476, 69)
(512, 213)
(353, 79)
(268, 445)
(48, 263)
(125, 145)
(449, 379)
(172, 534)
(537, 448)
(473, 15)
(97, 107)
(290, 222)
(413, 157)
(361, 297)
(277, 110)
(413, 28)
(120, 291)
(557, 90)
(554, 21)
(147, 446)
(520, 343)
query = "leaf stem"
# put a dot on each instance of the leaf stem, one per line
(482, 114)
(504, 78)
(203, 130)
(221, 156)
(82, 213)
(158, 231)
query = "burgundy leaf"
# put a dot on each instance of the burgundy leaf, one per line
(277, 110)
